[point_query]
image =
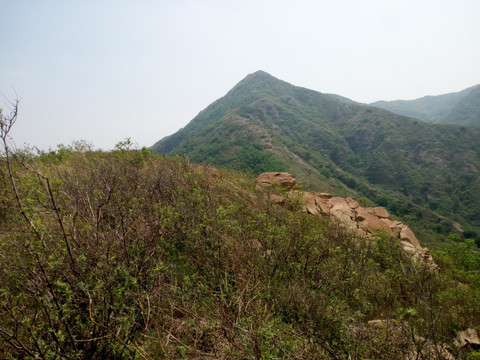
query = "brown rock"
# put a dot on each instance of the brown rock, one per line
(342, 210)
(369, 210)
(419, 255)
(466, 338)
(310, 205)
(395, 226)
(314, 204)
(427, 259)
(348, 223)
(322, 205)
(361, 232)
(406, 234)
(361, 214)
(374, 225)
(345, 219)
(381, 212)
(378, 211)
(370, 222)
(409, 248)
(335, 200)
(311, 209)
(457, 226)
(277, 199)
(352, 203)
(325, 196)
(363, 221)
(267, 179)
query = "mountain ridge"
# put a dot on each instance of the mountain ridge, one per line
(266, 124)
(462, 107)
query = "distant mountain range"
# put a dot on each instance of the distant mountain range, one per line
(427, 174)
(462, 108)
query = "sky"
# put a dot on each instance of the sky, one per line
(107, 70)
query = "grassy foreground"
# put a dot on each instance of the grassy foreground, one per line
(127, 254)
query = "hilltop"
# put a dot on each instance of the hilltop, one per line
(427, 174)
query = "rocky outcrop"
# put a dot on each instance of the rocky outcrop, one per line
(365, 221)
(467, 338)
(314, 204)
(270, 178)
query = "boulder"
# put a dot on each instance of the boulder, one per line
(324, 196)
(381, 212)
(421, 255)
(374, 225)
(309, 202)
(371, 223)
(342, 207)
(361, 232)
(466, 338)
(336, 200)
(427, 259)
(267, 179)
(315, 205)
(352, 203)
(343, 212)
(378, 211)
(408, 248)
(395, 226)
(322, 204)
(406, 234)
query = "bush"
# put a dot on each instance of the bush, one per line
(126, 254)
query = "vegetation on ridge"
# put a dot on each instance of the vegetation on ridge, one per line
(461, 108)
(132, 255)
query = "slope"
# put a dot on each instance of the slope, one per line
(428, 174)
(131, 255)
(462, 108)
(466, 111)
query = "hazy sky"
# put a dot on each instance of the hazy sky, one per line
(103, 71)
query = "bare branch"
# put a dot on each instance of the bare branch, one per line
(6, 123)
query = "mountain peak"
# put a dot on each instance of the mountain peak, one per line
(255, 81)
(259, 74)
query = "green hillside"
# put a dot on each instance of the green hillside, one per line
(467, 110)
(131, 255)
(462, 108)
(427, 174)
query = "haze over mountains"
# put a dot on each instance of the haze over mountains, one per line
(462, 108)
(428, 174)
